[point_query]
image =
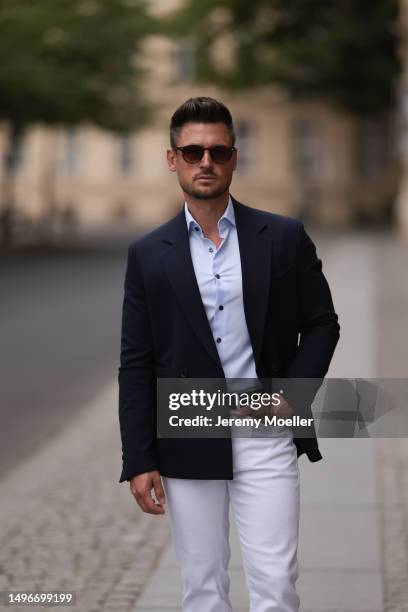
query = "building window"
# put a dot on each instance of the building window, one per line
(125, 157)
(307, 154)
(14, 159)
(244, 138)
(71, 151)
(371, 148)
(184, 59)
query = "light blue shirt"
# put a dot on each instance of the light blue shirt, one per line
(219, 278)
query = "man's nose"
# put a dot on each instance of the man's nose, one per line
(206, 159)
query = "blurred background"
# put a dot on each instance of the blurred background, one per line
(319, 96)
(88, 88)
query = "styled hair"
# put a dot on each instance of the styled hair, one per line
(200, 110)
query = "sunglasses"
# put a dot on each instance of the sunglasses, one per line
(220, 154)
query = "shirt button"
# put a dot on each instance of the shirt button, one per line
(218, 340)
(211, 249)
(220, 307)
(217, 276)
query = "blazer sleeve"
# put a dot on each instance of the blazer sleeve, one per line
(137, 392)
(318, 326)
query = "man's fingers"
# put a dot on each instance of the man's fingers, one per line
(244, 411)
(158, 490)
(147, 503)
(284, 409)
(141, 487)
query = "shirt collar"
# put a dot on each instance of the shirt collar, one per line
(228, 216)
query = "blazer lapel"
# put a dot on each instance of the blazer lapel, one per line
(255, 245)
(179, 268)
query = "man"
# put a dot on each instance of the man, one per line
(221, 291)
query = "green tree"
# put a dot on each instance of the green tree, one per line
(66, 62)
(345, 51)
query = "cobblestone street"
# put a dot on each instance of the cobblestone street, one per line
(67, 524)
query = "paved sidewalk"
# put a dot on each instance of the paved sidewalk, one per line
(66, 523)
(392, 454)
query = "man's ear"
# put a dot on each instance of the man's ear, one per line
(171, 160)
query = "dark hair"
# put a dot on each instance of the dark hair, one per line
(200, 110)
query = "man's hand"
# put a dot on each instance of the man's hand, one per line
(283, 410)
(141, 486)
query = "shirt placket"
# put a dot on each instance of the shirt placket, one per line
(219, 328)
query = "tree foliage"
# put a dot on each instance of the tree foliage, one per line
(67, 62)
(343, 50)
(71, 61)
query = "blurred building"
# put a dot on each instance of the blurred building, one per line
(301, 159)
(402, 199)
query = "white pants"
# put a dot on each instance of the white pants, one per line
(265, 499)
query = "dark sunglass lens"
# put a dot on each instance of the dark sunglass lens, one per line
(192, 154)
(221, 154)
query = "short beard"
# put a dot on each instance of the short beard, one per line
(198, 195)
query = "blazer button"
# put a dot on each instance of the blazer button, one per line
(183, 373)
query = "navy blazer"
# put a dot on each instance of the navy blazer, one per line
(165, 332)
